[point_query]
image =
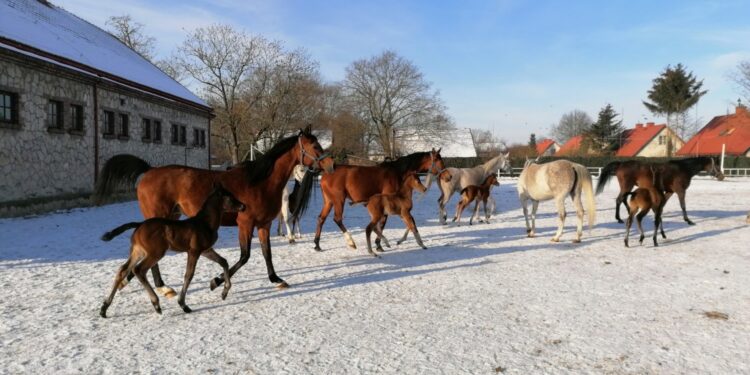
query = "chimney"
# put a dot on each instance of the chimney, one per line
(638, 125)
(649, 124)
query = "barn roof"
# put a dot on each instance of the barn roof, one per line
(456, 143)
(730, 130)
(40, 29)
(572, 146)
(543, 145)
(634, 140)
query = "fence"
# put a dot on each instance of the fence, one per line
(596, 171)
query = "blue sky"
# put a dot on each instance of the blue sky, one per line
(513, 67)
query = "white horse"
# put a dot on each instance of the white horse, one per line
(463, 177)
(291, 224)
(555, 180)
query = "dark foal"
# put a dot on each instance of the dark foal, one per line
(643, 200)
(476, 193)
(153, 237)
(381, 205)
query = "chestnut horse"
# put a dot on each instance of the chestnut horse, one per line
(674, 175)
(359, 183)
(166, 191)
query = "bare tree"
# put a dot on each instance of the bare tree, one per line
(172, 68)
(741, 77)
(391, 96)
(487, 144)
(131, 34)
(571, 124)
(221, 59)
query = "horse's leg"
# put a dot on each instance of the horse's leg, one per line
(524, 206)
(211, 254)
(534, 207)
(324, 211)
(412, 225)
(140, 273)
(403, 238)
(368, 233)
(624, 188)
(264, 238)
(486, 212)
(459, 211)
(122, 272)
(661, 222)
(476, 210)
(639, 219)
(338, 218)
(192, 260)
(379, 232)
(560, 203)
(681, 197)
(578, 203)
(245, 230)
(628, 224)
(445, 195)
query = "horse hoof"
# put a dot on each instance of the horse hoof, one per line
(291, 241)
(103, 311)
(424, 247)
(158, 309)
(577, 241)
(620, 221)
(690, 222)
(186, 309)
(317, 248)
(282, 285)
(224, 294)
(555, 240)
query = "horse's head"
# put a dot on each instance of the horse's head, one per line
(445, 175)
(504, 163)
(491, 180)
(411, 182)
(712, 168)
(221, 197)
(437, 166)
(311, 154)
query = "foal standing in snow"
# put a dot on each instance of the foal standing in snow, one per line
(153, 237)
(381, 205)
(556, 180)
(476, 193)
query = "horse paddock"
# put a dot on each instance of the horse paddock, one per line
(481, 299)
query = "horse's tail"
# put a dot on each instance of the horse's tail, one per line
(118, 231)
(300, 196)
(607, 172)
(120, 170)
(587, 187)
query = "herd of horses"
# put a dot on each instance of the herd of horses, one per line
(252, 194)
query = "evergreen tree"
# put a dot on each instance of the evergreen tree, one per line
(604, 135)
(532, 141)
(674, 92)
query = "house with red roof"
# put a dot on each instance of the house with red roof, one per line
(571, 147)
(730, 130)
(649, 140)
(547, 147)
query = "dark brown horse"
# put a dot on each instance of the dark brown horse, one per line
(167, 191)
(674, 175)
(359, 183)
(153, 237)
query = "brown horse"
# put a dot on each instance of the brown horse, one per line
(153, 237)
(359, 183)
(675, 177)
(165, 191)
(379, 206)
(644, 200)
(476, 193)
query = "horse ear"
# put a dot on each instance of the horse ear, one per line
(438, 150)
(308, 129)
(507, 155)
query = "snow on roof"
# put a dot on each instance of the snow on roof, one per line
(51, 29)
(457, 143)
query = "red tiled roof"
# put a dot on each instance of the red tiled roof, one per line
(732, 130)
(637, 138)
(542, 146)
(571, 146)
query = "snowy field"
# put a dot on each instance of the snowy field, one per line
(482, 299)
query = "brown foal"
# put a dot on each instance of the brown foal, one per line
(476, 193)
(643, 200)
(153, 237)
(381, 205)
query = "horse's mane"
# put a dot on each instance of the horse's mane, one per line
(489, 165)
(259, 169)
(406, 163)
(692, 165)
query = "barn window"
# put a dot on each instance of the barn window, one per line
(54, 114)
(8, 107)
(123, 123)
(76, 118)
(157, 131)
(175, 134)
(146, 130)
(109, 123)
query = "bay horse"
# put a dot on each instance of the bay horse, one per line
(166, 191)
(359, 183)
(675, 177)
(379, 206)
(476, 193)
(644, 200)
(556, 180)
(463, 177)
(153, 237)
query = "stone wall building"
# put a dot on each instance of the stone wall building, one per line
(71, 97)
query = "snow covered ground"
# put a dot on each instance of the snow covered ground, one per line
(482, 299)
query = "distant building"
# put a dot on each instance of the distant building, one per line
(72, 96)
(571, 147)
(456, 143)
(649, 140)
(547, 147)
(730, 130)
